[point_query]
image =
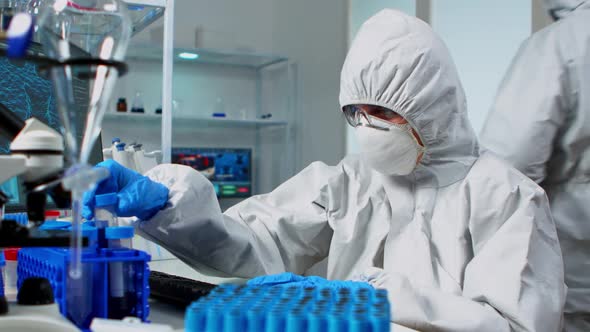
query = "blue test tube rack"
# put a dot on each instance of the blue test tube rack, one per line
(294, 308)
(21, 218)
(52, 264)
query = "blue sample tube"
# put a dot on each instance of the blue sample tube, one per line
(79, 299)
(337, 322)
(276, 319)
(234, 321)
(193, 318)
(196, 315)
(255, 318)
(296, 320)
(214, 318)
(359, 321)
(317, 322)
(380, 323)
(380, 312)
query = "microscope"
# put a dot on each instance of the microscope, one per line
(36, 156)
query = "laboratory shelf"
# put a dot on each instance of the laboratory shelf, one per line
(193, 121)
(207, 56)
(143, 13)
(141, 17)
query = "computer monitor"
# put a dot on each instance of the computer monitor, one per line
(27, 93)
(230, 170)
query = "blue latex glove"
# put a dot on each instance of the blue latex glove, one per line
(288, 279)
(137, 194)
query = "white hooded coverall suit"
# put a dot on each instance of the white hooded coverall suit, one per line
(464, 243)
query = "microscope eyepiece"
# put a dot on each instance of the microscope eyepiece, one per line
(10, 123)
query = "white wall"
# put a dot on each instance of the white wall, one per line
(540, 17)
(359, 12)
(224, 23)
(482, 37)
(313, 33)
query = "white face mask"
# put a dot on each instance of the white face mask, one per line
(393, 152)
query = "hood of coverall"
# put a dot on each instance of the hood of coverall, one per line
(397, 61)
(560, 8)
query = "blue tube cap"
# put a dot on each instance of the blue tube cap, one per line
(55, 225)
(20, 33)
(115, 140)
(116, 233)
(104, 200)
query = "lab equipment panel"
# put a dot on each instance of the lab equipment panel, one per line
(229, 170)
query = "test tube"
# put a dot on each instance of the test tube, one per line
(76, 237)
(79, 296)
(106, 216)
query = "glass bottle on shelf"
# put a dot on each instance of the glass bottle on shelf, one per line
(122, 105)
(138, 106)
(158, 109)
(219, 108)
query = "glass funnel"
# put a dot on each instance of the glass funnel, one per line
(88, 39)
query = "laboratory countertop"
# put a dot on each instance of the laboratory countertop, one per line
(164, 313)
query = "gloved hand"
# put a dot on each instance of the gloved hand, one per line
(288, 278)
(137, 194)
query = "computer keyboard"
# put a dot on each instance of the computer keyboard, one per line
(177, 290)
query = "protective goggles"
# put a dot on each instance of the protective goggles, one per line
(377, 118)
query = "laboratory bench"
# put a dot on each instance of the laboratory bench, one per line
(165, 313)
(173, 315)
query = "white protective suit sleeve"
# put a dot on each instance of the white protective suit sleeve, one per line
(530, 107)
(251, 238)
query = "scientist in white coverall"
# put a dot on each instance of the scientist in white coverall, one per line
(461, 241)
(540, 123)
